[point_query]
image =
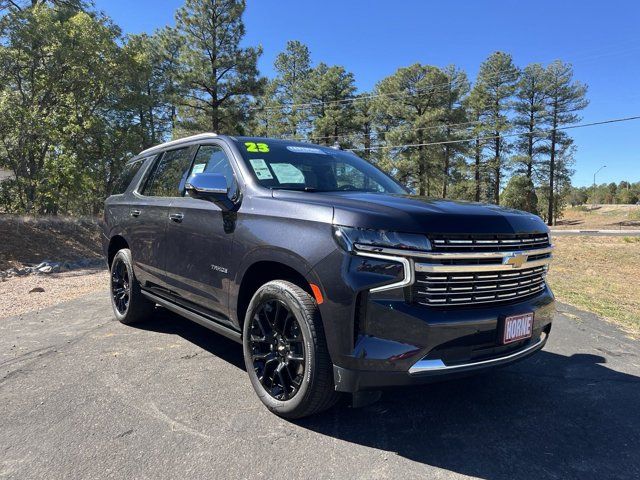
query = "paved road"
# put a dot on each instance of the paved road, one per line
(597, 233)
(82, 396)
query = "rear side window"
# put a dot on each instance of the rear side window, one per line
(126, 176)
(169, 174)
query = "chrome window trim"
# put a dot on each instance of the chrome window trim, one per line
(422, 366)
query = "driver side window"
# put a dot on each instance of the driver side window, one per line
(213, 159)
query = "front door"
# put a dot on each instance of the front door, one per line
(150, 217)
(199, 239)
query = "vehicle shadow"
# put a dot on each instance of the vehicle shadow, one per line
(550, 416)
(164, 321)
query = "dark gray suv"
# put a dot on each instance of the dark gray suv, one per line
(331, 275)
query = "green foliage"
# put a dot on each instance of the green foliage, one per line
(520, 194)
(325, 90)
(77, 99)
(494, 88)
(409, 107)
(531, 118)
(219, 76)
(610, 193)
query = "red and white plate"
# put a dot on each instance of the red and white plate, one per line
(517, 327)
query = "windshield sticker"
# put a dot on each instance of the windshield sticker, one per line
(261, 169)
(257, 147)
(198, 168)
(287, 173)
(296, 149)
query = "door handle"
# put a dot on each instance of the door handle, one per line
(135, 213)
(176, 217)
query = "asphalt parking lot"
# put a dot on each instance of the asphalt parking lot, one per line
(82, 396)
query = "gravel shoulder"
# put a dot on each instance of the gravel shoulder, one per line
(15, 298)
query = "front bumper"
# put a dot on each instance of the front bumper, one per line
(425, 371)
(378, 337)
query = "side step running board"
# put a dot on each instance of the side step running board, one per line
(195, 317)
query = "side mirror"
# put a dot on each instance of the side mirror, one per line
(210, 186)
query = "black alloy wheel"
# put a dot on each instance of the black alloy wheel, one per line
(277, 349)
(120, 286)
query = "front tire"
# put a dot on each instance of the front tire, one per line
(129, 305)
(285, 351)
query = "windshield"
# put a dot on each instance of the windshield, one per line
(280, 165)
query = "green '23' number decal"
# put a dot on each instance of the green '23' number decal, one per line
(257, 147)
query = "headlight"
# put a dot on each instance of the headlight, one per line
(348, 237)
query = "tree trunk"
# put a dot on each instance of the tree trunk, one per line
(497, 169)
(421, 171)
(477, 169)
(445, 170)
(552, 173)
(530, 147)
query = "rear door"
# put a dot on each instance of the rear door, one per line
(199, 239)
(150, 216)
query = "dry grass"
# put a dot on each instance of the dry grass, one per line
(602, 217)
(601, 275)
(32, 240)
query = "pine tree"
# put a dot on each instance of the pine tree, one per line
(364, 125)
(410, 107)
(565, 97)
(330, 92)
(454, 114)
(530, 119)
(220, 76)
(475, 105)
(293, 67)
(496, 83)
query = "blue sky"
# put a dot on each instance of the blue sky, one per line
(373, 38)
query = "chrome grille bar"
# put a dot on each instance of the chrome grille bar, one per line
(458, 279)
(497, 243)
(430, 267)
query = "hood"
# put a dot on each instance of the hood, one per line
(412, 214)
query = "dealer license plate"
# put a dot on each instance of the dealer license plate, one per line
(517, 327)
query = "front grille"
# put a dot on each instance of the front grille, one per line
(486, 243)
(436, 289)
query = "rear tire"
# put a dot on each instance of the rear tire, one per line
(286, 353)
(129, 305)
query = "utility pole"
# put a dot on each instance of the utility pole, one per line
(593, 206)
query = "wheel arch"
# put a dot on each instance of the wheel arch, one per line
(262, 270)
(116, 243)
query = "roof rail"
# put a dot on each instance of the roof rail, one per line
(201, 136)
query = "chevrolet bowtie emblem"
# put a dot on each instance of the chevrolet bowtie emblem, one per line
(516, 259)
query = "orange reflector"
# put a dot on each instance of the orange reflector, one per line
(317, 293)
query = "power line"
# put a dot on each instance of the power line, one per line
(403, 93)
(353, 133)
(356, 132)
(495, 137)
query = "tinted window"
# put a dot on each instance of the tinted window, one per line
(169, 174)
(126, 176)
(212, 159)
(280, 165)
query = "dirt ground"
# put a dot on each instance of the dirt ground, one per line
(32, 240)
(15, 298)
(601, 217)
